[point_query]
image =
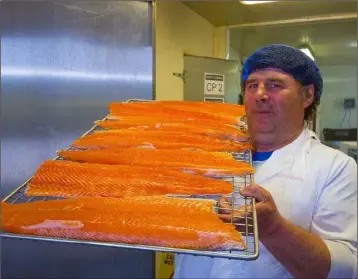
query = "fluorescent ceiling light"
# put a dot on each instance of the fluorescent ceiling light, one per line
(307, 52)
(352, 44)
(255, 2)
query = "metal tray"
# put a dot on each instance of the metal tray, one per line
(246, 222)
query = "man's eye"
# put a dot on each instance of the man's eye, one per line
(252, 85)
(275, 85)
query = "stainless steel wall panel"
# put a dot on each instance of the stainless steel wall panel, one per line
(61, 64)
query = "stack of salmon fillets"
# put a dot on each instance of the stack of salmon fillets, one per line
(117, 179)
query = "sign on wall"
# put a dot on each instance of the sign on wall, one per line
(213, 100)
(164, 265)
(214, 84)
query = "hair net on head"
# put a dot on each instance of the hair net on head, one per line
(287, 59)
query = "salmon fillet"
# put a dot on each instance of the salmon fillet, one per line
(157, 202)
(118, 110)
(213, 109)
(144, 222)
(223, 132)
(201, 162)
(113, 139)
(156, 120)
(72, 179)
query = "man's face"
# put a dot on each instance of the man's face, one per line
(275, 106)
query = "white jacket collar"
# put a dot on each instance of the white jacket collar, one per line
(285, 155)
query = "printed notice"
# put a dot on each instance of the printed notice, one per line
(214, 84)
(164, 265)
(213, 100)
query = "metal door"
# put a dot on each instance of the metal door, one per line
(62, 62)
(220, 74)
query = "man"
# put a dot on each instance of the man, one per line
(306, 201)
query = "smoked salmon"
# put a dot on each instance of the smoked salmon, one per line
(204, 108)
(113, 139)
(146, 221)
(155, 121)
(211, 108)
(118, 110)
(72, 179)
(223, 132)
(201, 162)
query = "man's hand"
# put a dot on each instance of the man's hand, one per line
(268, 218)
(236, 216)
(311, 258)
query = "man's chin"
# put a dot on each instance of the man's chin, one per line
(262, 131)
(263, 137)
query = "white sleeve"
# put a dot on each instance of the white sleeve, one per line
(335, 218)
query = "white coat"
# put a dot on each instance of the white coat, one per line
(315, 188)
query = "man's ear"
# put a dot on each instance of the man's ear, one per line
(308, 95)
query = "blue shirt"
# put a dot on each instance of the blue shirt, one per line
(261, 156)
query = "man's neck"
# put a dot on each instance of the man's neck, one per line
(262, 147)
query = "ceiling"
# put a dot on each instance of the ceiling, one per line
(224, 13)
(333, 42)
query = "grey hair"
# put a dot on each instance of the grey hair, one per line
(310, 112)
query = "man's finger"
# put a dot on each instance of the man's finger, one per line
(239, 220)
(224, 206)
(236, 215)
(255, 191)
(225, 217)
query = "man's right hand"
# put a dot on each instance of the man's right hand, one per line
(240, 217)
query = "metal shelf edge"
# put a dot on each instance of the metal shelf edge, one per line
(135, 247)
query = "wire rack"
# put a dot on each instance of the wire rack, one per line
(242, 212)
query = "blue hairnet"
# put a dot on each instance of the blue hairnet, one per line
(289, 60)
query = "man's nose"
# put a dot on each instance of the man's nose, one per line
(261, 93)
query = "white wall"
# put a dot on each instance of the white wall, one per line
(340, 82)
(179, 30)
